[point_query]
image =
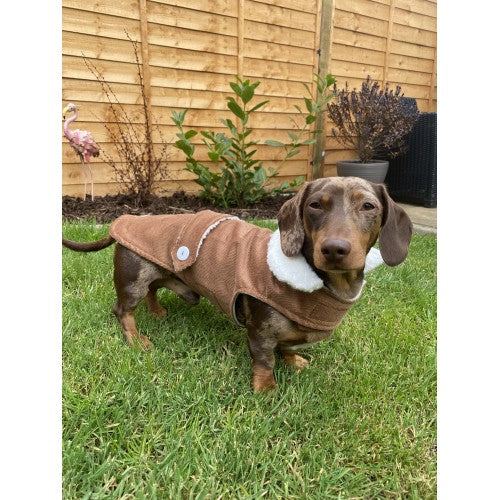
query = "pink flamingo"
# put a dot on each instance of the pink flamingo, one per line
(83, 144)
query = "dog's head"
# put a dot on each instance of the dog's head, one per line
(335, 221)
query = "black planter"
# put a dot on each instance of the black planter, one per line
(412, 177)
(374, 171)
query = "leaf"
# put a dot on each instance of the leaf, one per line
(274, 143)
(308, 141)
(213, 156)
(236, 88)
(247, 94)
(256, 107)
(185, 146)
(293, 152)
(235, 108)
(190, 133)
(310, 119)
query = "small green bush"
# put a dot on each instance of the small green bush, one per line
(242, 180)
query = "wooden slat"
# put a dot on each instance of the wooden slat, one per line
(361, 40)
(347, 70)
(415, 20)
(119, 8)
(221, 7)
(412, 50)
(362, 56)
(171, 15)
(365, 8)
(96, 47)
(182, 38)
(278, 34)
(402, 77)
(73, 173)
(414, 35)
(299, 5)
(201, 118)
(279, 16)
(258, 68)
(168, 133)
(93, 23)
(360, 24)
(272, 51)
(169, 57)
(265, 153)
(419, 6)
(410, 63)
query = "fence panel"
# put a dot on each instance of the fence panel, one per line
(192, 53)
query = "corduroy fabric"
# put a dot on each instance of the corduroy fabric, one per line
(229, 260)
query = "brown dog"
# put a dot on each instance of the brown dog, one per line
(288, 289)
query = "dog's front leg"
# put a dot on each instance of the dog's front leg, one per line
(261, 349)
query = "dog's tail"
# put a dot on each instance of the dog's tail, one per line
(91, 246)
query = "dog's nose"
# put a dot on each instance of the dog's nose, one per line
(334, 249)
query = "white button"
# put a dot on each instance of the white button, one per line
(183, 253)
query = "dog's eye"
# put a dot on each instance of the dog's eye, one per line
(315, 204)
(368, 206)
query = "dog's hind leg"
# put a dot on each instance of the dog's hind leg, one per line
(133, 276)
(182, 290)
(154, 307)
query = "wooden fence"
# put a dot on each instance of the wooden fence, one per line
(190, 51)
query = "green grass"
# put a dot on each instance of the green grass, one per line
(182, 421)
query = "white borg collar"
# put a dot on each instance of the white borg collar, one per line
(296, 271)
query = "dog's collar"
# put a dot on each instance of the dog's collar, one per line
(296, 271)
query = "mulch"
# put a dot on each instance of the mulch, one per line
(107, 208)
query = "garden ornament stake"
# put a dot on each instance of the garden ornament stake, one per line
(83, 144)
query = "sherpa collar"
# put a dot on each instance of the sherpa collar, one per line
(296, 271)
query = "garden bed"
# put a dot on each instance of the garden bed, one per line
(107, 208)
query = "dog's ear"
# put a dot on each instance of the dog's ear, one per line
(395, 234)
(290, 223)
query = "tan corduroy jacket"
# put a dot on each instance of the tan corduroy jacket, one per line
(220, 257)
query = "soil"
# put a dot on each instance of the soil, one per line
(107, 208)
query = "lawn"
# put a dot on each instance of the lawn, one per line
(182, 421)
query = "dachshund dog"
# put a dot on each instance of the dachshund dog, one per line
(289, 288)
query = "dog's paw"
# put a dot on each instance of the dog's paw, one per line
(262, 379)
(296, 361)
(159, 312)
(192, 298)
(141, 342)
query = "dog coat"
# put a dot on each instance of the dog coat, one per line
(220, 257)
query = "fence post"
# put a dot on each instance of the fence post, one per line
(241, 36)
(433, 81)
(325, 43)
(388, 41)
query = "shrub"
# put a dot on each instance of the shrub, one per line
(139, 165)
(242, 180)
(374, 121)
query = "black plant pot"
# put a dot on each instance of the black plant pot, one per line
(374, 171)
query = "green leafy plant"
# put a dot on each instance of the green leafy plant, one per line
(242, 180)
(314, 108)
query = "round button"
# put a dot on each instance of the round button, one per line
(183, 253)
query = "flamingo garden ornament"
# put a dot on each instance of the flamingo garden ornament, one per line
(83, 144)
